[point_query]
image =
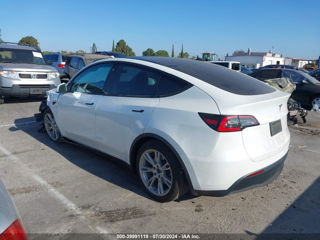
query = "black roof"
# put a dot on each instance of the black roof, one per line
(213, 74)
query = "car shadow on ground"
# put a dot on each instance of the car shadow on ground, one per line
(11, 100)
(300, 220)
(105, 167)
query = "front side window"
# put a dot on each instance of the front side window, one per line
(81, 64)
(74, 62)
(92, 79)
(130, 80)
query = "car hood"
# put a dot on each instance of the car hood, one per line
(26, 67)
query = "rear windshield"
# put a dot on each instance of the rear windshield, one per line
(8, 55)
(51, 57)
(223, 78)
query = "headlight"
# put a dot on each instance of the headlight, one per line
(52, 75)
(9, 74)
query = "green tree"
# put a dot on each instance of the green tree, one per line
(172, 52)
(185, 55)
(181, 53)
(64, 52)
(123, 48)
(148, 52)
(80, 52)
(162, 53)
(93, 48)
(46, 52)
(0, 36)
(29, 41)
(113, 49)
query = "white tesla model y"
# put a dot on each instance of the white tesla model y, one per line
(180, 124)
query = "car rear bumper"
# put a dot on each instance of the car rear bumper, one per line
(25, 90)
(267, 175)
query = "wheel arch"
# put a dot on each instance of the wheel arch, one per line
(140, 140)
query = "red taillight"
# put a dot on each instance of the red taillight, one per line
(14, 232)
(233, 123)
(60, 65)
(229, 124)
(256, 173)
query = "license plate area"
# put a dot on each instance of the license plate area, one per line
(275, 127)
(36, 91)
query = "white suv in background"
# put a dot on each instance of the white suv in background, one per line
(180, 124)
(23, 72)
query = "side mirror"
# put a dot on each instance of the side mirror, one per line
(62, 88)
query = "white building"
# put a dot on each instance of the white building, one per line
(257, 59)
(299, 63)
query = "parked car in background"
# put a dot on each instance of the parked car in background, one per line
(10, 224)
(315, 73)
(74, 63)
(57, 60)
(303, 70)
(307, 88)
(279, 66)
(245, 70)
(114, 54)
(23, 72)
(229, 64)
(180, 124)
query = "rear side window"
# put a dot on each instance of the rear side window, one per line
(170, 85)
(256, 74)
(235, 66)
(134, 81)
(270, 74)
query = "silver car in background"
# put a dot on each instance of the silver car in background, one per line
(56, 60)
(24, 73)
(10, 225)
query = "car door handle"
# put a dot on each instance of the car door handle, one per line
(138, 111)
(89, 104)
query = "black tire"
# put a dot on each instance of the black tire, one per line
(47, 115)
(178, 184)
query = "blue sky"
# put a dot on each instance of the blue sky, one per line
(291, 27)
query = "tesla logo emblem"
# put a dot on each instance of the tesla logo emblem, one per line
(280, 106)
(33, 76)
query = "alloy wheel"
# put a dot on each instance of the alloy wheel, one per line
(51, 126)
(155, 172)
(316, 104)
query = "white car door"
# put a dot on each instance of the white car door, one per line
(125, 112)
(76, 108)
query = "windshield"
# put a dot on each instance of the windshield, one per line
(20, 56)
(309, 78)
